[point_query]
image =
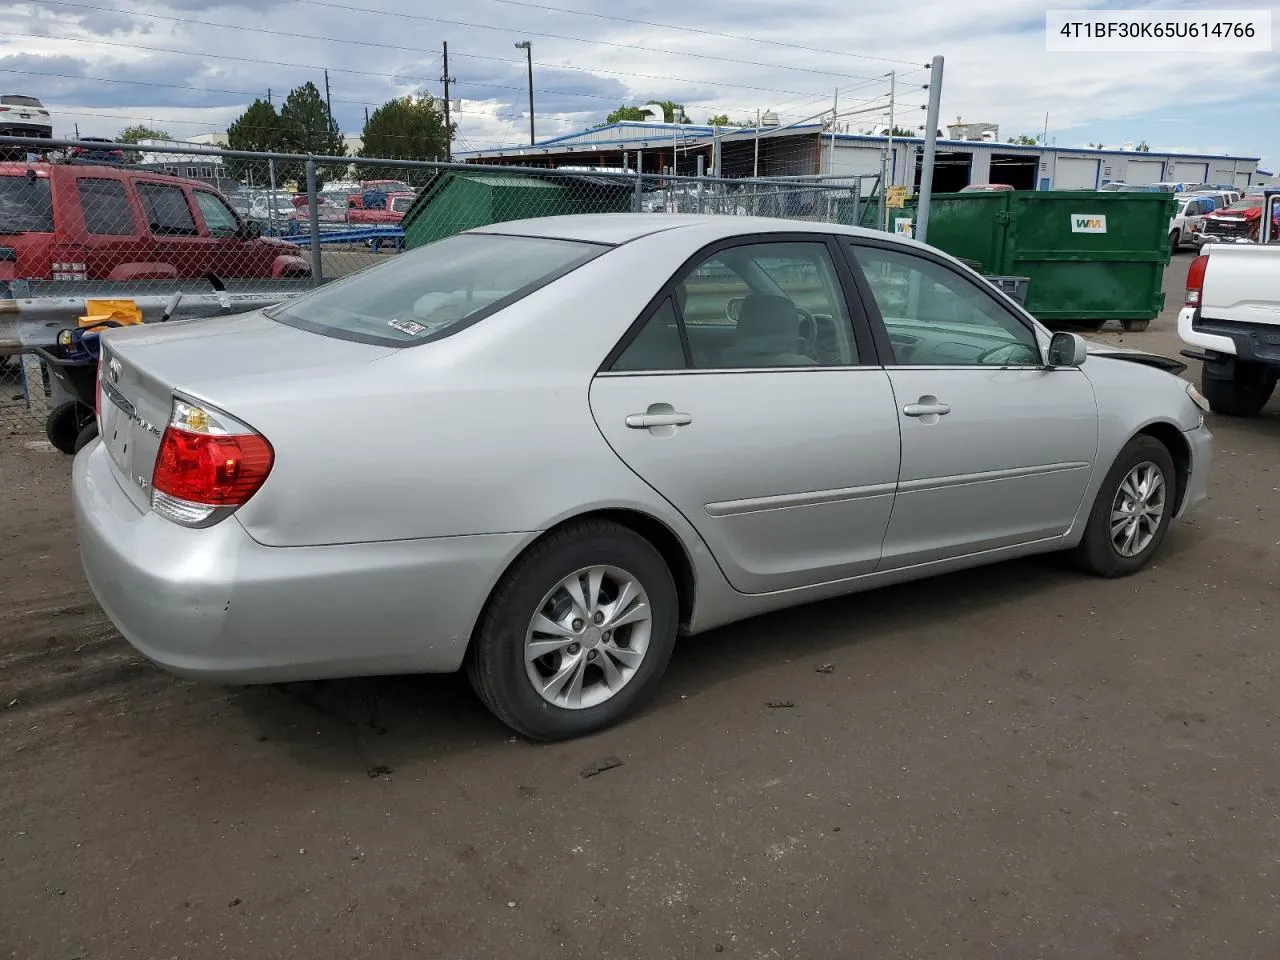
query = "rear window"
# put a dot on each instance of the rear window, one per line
(436, 290)
(16, 101)
(26, 205)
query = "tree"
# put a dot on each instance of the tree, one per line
(407, 128)
(258, 129)
(722, 120)
(1143, 148)
(141, 132)
(306, 126)
(898, 132)
(1025, 140)
(672, 113)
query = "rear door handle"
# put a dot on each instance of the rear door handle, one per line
(935, 408)
(643, 421)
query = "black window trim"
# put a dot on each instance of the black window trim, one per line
(881, 332)
(859, 322)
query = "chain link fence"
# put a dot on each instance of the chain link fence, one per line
(232, 230)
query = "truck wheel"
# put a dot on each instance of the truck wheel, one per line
(1135, 326)
(1244, 395)
(1175, 241)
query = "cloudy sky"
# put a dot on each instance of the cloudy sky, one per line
(191, 66)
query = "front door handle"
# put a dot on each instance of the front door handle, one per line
(644, 421)
(927, 407)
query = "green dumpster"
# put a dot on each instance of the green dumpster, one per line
(1090, 256)
(458, 200)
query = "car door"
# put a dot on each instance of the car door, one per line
(174, 233)
(116, 247)
(997, 449)
(749, 396)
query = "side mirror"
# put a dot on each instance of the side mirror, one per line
(1067, 350)
(733, 309)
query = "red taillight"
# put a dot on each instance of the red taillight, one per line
(214, 471)
(1195, 280)
(207, 463)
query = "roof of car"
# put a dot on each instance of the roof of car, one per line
(617, 228)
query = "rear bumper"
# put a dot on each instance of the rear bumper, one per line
(1228, 340)
(214, 604)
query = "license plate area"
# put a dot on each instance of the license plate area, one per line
(117, 428)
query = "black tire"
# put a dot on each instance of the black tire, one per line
(63, 425)
(1135, 326)
(88, 433)
(1096, 553)
(1242, 396)
(1175, 241)
(496, 660)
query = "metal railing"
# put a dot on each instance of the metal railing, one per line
(234, 230)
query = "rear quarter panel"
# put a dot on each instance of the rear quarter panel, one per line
(1242, 283)
(488, 430)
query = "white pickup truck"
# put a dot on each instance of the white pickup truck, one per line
(1231, 317)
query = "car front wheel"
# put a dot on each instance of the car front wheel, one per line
(577, 634)
(1132, 512)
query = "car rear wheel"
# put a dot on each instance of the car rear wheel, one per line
(1175, 241)
(1132, 512)
(64, 423)
(1244, 395)
(577, 634)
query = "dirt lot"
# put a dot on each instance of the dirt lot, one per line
(1014, 762)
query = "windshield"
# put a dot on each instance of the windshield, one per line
(1253, 203)
(435, 290)
(26, 205)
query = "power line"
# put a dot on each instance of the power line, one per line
(475, 26)
(302, 66)
(697, 30)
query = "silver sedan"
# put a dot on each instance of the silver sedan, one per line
(542, 450)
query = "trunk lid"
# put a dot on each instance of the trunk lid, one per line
(213, 360)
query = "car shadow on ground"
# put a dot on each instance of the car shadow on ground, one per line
(414, 718)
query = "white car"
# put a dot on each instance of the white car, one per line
(1191, 210)
(22, 116)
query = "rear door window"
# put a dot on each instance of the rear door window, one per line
(26, 205)
(105, 207)
(168, 213)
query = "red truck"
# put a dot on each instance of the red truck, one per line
(76, 221)
(1237, 223)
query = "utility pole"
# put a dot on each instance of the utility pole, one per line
(527, 47)
(328, 104)
(268, 94)
(755, 168)
(893, 77)
(448, 127)
(930, 148)
(835, 112)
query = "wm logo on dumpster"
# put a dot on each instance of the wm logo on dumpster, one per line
(1088, 223)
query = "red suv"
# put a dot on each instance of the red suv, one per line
(74, 221)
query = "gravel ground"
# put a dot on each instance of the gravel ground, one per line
(1013, 762)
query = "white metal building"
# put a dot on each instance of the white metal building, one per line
(809, 151)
